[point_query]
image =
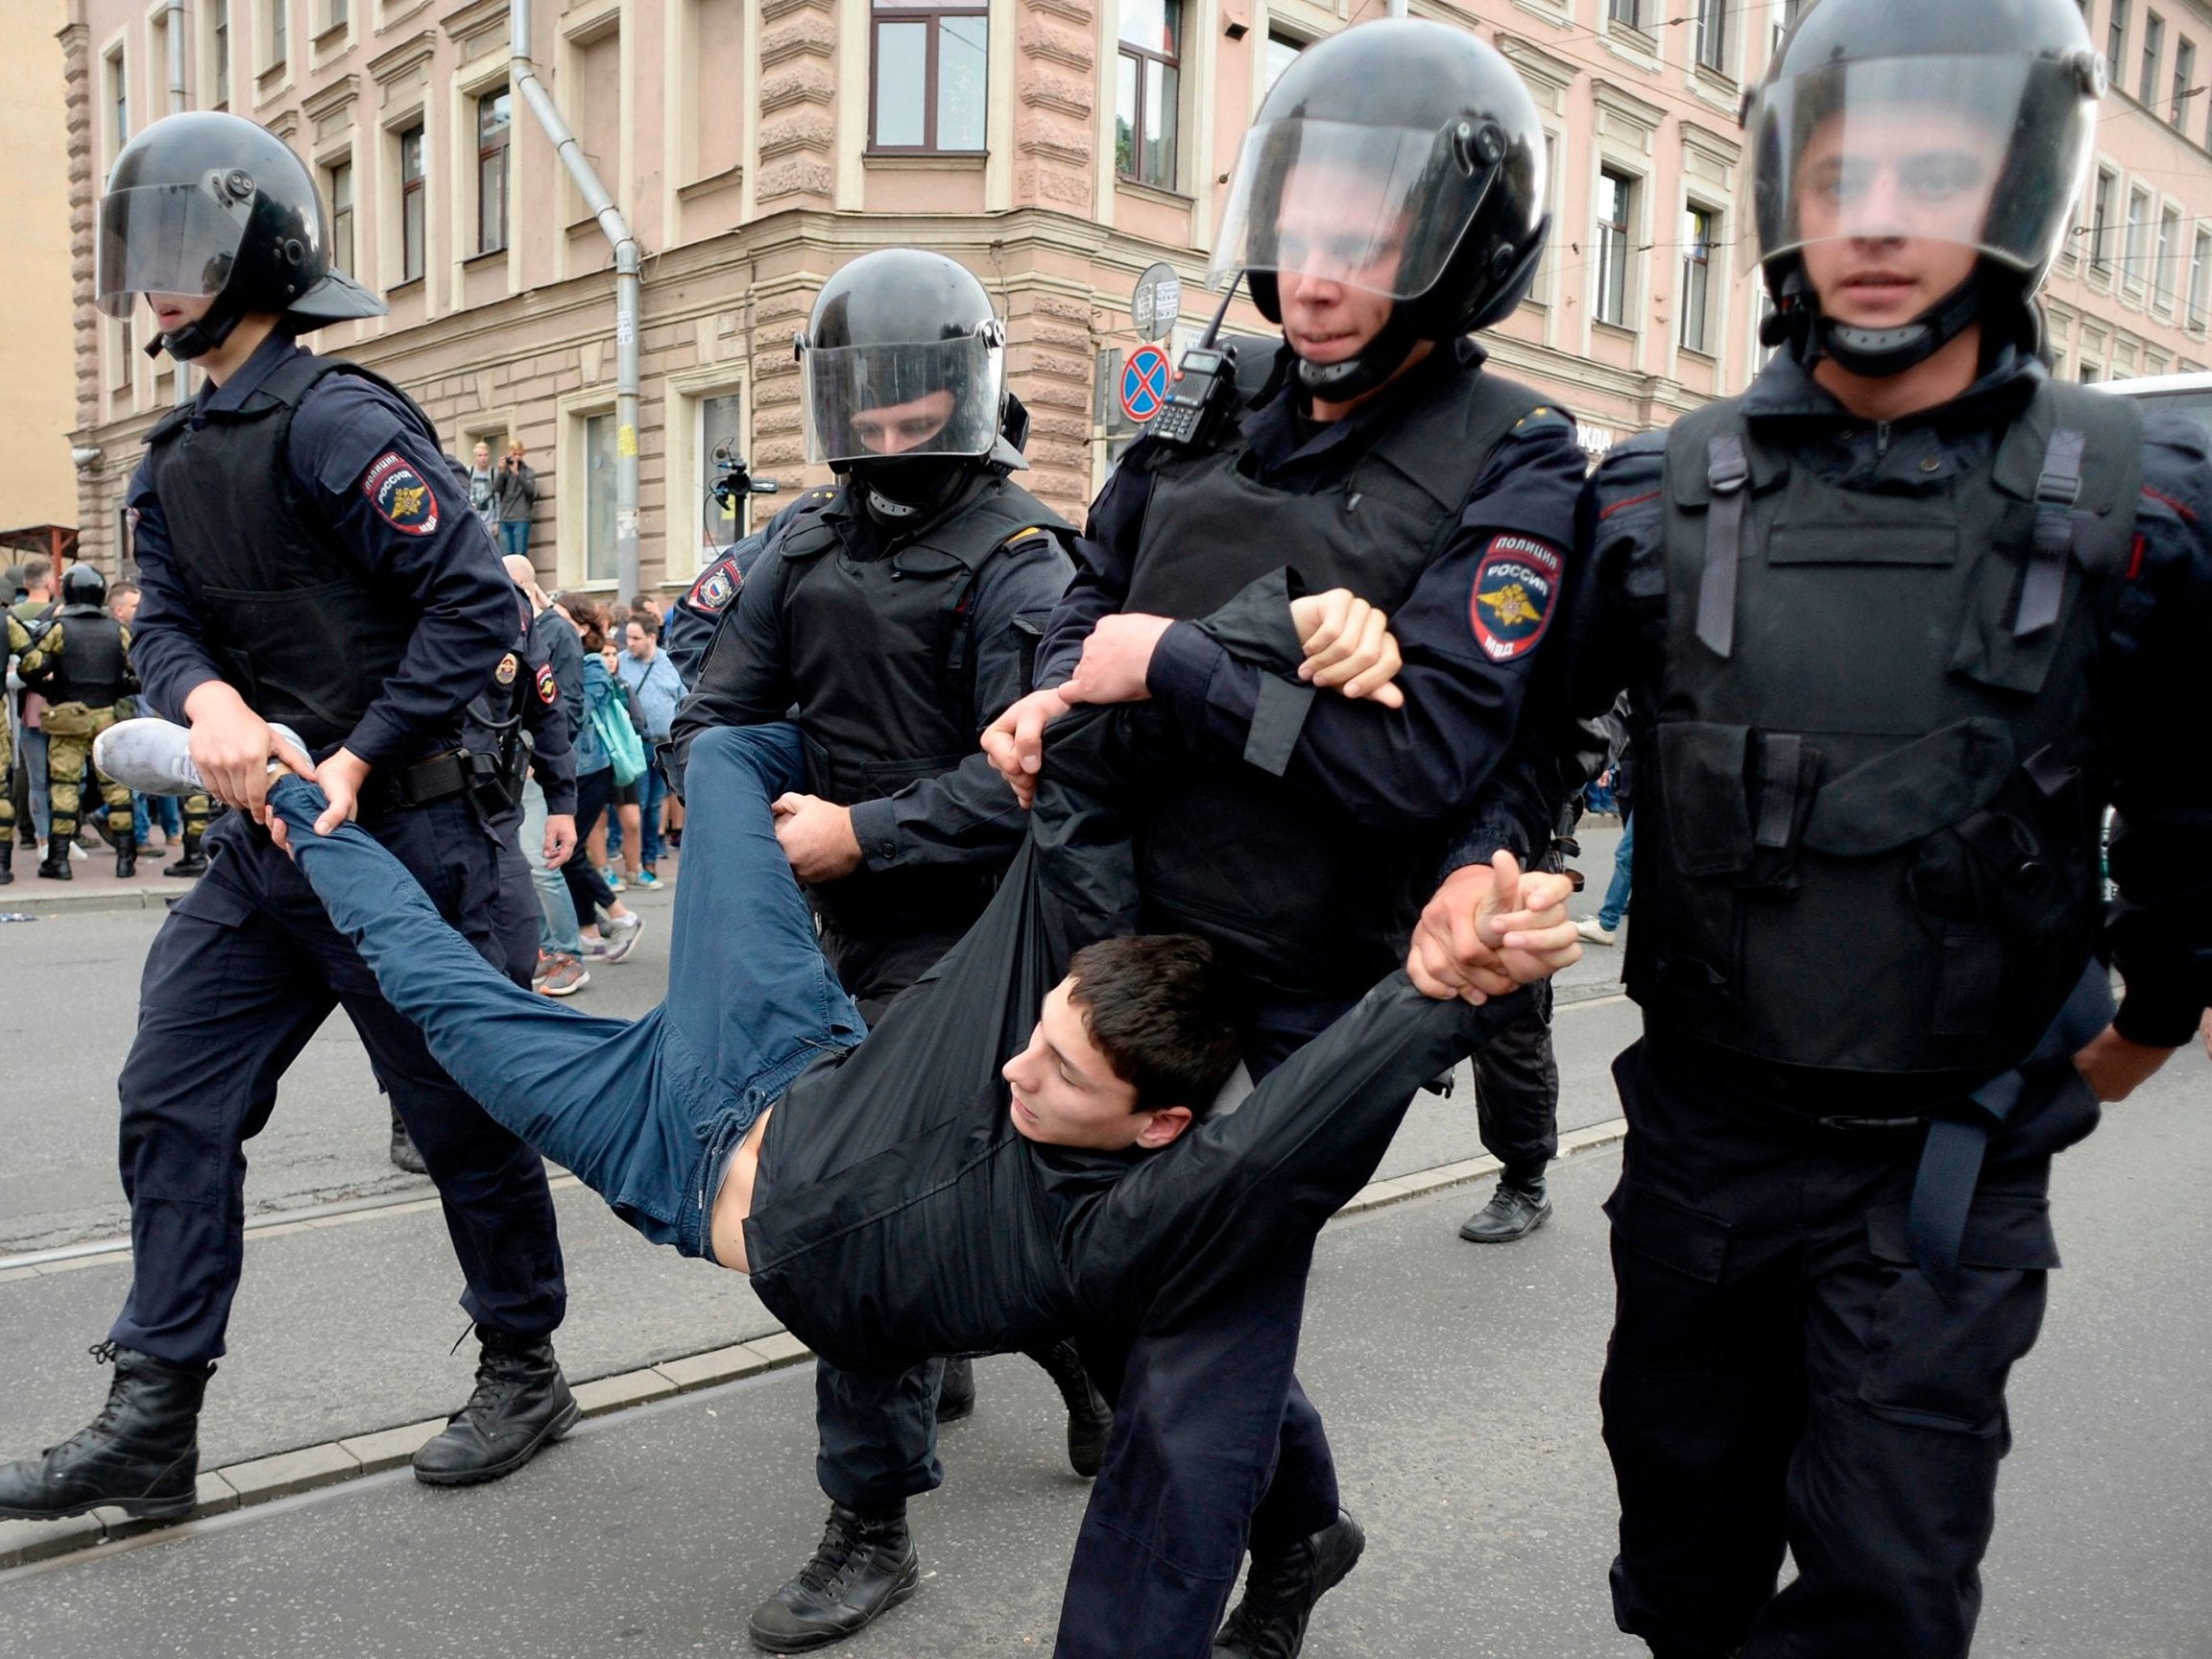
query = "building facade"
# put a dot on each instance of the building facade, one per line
(37, 482)
(1057, 147)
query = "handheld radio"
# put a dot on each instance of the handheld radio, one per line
(1204, 390)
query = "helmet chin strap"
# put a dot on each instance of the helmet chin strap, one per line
(903, 494)
(1879, 354)
(197, 339)
(1367, 367)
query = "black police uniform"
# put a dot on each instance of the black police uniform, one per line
(892, 651)
(295, 537)
(1885, 677)
(1300, 835)
(519, 726)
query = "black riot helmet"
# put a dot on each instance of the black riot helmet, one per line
(82, 588)
(904, 364)
(1401, 157)
(1964, 121)
(210, 205)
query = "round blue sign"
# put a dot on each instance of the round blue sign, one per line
(1144, 383)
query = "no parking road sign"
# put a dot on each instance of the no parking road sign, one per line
(1144, 383)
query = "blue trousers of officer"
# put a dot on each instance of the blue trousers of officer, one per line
(1215, 1447)
(242, 974)
(1517, 1092)
(1782, 1376)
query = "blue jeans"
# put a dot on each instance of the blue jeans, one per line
(148, 810)
(556, 910)
(515, 536)
(31, 752)
(1616, 903)
(646, 1115)
(652, 789)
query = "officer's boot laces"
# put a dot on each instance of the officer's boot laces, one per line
(1283, 1586)
(847, 1541)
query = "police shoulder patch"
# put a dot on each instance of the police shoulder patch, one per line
(548, 689)
(1516, 581)
(401, 495)
(510, 666)
(718, 585)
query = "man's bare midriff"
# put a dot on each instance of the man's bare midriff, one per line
(735, 1202)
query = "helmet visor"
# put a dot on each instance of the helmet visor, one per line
(1381, 208)
(940, 398)
(165, 239)
(1985, 153)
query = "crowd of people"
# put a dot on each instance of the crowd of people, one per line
(1072, 916)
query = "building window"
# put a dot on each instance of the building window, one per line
(1629, 13)
(2101, 224)
(2199, 259)
(118, 100)
(1616, 201)
(1282, 52)
(2139, 223)
(276, 31)
(494, 126)
(2154, 44)
(599, 497)
(1148, 94)
(2184, 78)
(2168, 249)
(721, 421)
(2116, 42)
(339, 176)
(412, 219)
(1700, 229)
(1713, 34)
(219, 45)
(2090, 374)
(931, 89)
(336, 13)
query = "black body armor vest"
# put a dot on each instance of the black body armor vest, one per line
(1868, 818)
(880, 663)
(1313, 902)
(294, 621)
(92, 669)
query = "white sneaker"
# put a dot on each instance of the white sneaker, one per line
(154, 757)
(1591, 929)
(620, 932)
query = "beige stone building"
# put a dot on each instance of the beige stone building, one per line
(39, 402)
(1058, 147)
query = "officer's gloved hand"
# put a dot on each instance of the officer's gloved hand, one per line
(1490, 930)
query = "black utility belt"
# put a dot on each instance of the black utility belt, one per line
(423, 783)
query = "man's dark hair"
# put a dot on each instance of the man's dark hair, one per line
(1161, 1010)
(36, 569)
(117, 589)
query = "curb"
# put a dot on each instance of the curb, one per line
(264, 1479)
(36, 904)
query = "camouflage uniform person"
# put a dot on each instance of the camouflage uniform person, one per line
(81, 662)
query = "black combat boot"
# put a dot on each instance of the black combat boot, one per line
(126, 853)
(1517, 1208)
(141, 1453)
(193, 862)
(1090, 1419)
(404, 1155)
(1281, 1587)
(866, 1565)
(956, 1393)
(7, 858)
(55, 866)
(521, 1404)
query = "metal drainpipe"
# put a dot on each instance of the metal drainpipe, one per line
(524, 77)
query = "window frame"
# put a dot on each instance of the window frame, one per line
(219, 50)
(344, 216)
(414, 239)
(117, 66)
(1628, 13)
(2116, 43)
(2184, 74)
(2199, 269)
(1150, 62)
(933, 16)
(2164, 253)
(2100, 221)
(1612, 240)
(1709, 36)
(591, 494)
(1698, 275)
(2153, 49)
(500, 152)
(2136, 229)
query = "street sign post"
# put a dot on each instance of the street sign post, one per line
(1144, 383)
(1157, 301)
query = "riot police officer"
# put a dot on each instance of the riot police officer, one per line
(79, 660)
(897, 614)
(1898, 624)
(304, 560)
(1387, 203)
